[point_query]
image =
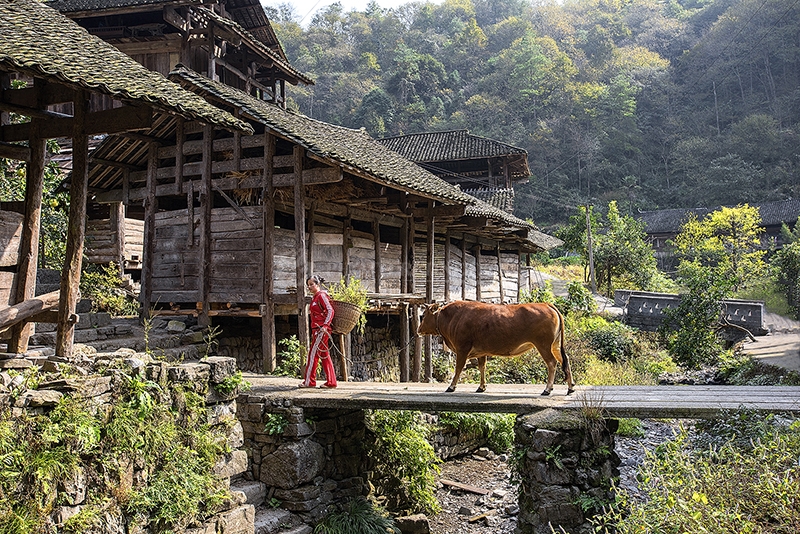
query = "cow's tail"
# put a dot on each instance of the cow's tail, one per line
(565, 367)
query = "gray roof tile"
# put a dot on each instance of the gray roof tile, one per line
(42, 42)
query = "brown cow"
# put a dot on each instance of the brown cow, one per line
(478, 330)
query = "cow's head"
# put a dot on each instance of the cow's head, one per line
(429, 323)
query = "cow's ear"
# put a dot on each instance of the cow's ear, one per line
(434, 306)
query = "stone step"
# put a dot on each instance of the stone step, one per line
(254, 490)
(279, 521)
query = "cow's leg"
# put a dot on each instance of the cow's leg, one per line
(482, 367)
(461, 360)
(550, 362)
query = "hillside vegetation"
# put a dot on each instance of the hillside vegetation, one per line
(678, 103)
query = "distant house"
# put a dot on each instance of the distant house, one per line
(482, 167)
(661, 226)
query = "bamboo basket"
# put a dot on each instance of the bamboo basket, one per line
(345, 316)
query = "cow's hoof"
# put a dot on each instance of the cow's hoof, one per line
(546, 392)
(450, 390)
(570, 391)
(480, 389)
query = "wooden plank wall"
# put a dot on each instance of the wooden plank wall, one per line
(175, 276)
(10, 234)
(510, 265)
(101, 238)
(235, 255)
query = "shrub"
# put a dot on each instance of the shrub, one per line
(291, 358)
(357, 516)
(716, 489)
(405, 463)
(103, 285)
(497, 428)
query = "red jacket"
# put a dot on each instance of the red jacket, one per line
(321, 310)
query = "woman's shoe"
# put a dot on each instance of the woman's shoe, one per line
(328, 386)
(303, 386)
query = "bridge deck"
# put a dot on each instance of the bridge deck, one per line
(689, 402)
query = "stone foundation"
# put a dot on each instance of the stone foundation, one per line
(566, 472)
(308, 459)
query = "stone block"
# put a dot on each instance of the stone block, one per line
(221, 413)
(240, 520)
(85, 387)
(255, 492)
(221, 368)
(292, 464)
(15, 363)
(413, 524)
(232, 464)
(236, 436)
(193, 372)
(303, 493)
(33, 398)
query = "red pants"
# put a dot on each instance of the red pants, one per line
(319, 351)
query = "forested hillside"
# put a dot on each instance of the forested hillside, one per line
(654, 103)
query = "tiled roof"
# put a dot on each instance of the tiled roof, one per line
(670, 221)
(234, 27)
(42, 42)
(350, 147)
(448, 146)
(501, 198)
(74, 6)
(250, 14)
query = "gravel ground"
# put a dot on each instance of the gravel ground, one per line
(466, 512)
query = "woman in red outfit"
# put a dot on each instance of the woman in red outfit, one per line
(321, 311)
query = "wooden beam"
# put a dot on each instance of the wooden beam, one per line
(18, 313)
(447, 266)
(149, 237)
(300, 246)
(376, 238)
(35, 113)
(29, 242)
(268, 341)
(110, 121)
(206, 204)
(346, 239)
(41, 95)
(477, 249)
(17, 152)
(429, 293)
(456, 210)
(405, 341)
(463, 268)
(500, 274)
(76, 230)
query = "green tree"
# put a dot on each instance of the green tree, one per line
(622, 254)
(787, 264)
(727, 240)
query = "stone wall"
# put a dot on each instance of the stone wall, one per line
(103, 381)
(308, 459)
(566, 471)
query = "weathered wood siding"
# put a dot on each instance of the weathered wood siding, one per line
(101, 240)
(10, 233)
(284, 260)
(235, 255)
(175, 274)
(490, 279)
(327, 251)
(510, 265)
(420, 267)
(390, 268)
(362, 261)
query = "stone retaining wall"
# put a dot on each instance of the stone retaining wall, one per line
(566, 471)
(308, 459)
(100, 380)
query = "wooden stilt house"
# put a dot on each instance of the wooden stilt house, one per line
(98, 91)
(236, 223)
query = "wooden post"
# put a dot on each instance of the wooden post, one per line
(206, 205)
(519, 278)
(500, 274)
(149, 236)
(268, 342)
(376, 237)
(29, 243)
(417, 359)
(76, 232)
(180, 138)
(477, 249)
(405, 339)
(300, 246)
(117, 222)
(447, 266)
(312, 215)
(404, 232)
(464, 267)
(429, 295)
(346, 229)
(344, 352)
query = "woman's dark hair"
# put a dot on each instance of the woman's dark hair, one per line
(318, 279)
